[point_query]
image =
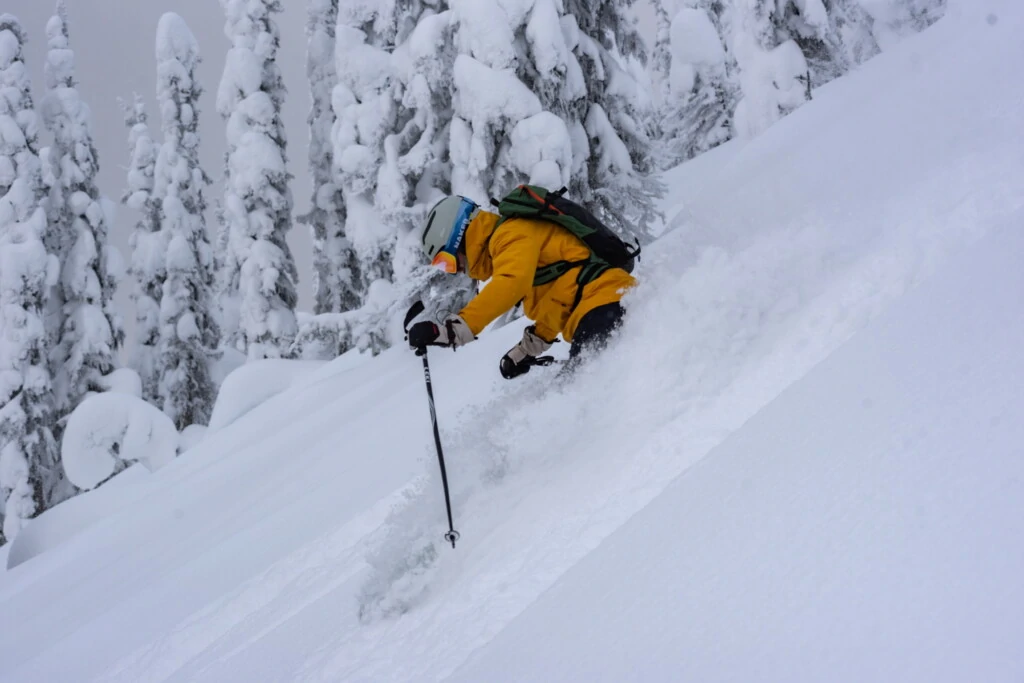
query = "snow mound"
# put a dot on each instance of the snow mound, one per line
(109, 430)
(254, 384)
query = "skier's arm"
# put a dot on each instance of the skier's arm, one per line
(514, 254)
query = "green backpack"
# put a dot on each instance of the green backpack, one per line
(606, 249)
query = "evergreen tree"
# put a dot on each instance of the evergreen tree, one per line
(622, 188)
(892, 20)
(90, 330)
(661, 54)
(335, 267)
(392, 106)
(700, 87)
(517, 95)
(833, 35)
(188, 332)
(147, 267)
(258, 273)
(30, 476)
(365, 102)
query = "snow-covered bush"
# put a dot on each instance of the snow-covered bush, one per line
(258, 273)
(29, 480)
(189, 334)
(87, 326)
(108, 432)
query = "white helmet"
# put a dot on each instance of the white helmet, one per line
(446, 225)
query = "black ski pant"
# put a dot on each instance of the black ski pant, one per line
(594, 330)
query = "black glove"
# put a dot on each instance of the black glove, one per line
(510, 369)
(453, 332)
(423, 334)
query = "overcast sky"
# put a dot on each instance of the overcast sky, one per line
(114, 43)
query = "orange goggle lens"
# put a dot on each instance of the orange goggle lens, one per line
(446, 262)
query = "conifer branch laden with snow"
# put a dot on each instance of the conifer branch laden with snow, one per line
(147, 268)
(189, 334)
(90, 330)
(258, 273)
(30, 476)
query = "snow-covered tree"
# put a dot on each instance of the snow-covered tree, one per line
(335, 267)
(622, 188)
(365, 103)
(30, 476)
(258, 273)
(148, 248)
(892, 20)
(90, 327)
(543, 94)
(517, 99)
(737, 67)
(700, 87)
(189, 334)
(392, 108)
(661, 53)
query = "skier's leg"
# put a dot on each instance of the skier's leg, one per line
(592, 333)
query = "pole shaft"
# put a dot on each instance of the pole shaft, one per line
(437, 442)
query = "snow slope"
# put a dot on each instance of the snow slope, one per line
(866, 525)
(246, 556)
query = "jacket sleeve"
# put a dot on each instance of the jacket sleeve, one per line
(545, 332)
(514, 253)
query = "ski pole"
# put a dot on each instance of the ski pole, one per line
(452, 535)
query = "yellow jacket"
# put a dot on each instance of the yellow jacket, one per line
(509, 257)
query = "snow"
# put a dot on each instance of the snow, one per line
(191, 436)
(175, 42)
(10, 45)
(798, 460)
(68, 520)
(486, 33)
(252, 385)
(107, 430)
(813, 13)
(695, 39)
(772, 86)
(123, 381)
(489, 95)
(865, 524)
(538, 139)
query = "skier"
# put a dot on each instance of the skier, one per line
(460, 237)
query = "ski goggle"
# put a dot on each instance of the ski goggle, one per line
(446, 258)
